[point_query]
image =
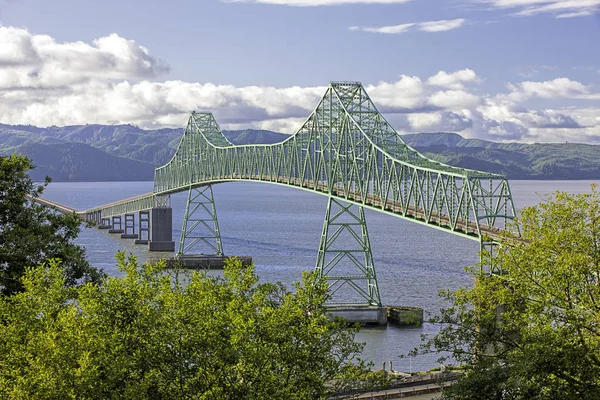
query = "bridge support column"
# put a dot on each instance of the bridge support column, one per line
(161, 230)
(117, 225)
(143, 227)
(200, 231)
(129, 227)
(104, 223)
(345, 257)
(488, 251)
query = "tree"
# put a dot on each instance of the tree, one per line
(151, 335)
(534, 330)
(31, 233)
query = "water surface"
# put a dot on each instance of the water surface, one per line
(280, 228)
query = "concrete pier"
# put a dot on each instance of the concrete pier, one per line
(364, 315)
(117, 225)
(143, 227)
(129, 227)
(405, 316)
(105, 223)
(161, 230)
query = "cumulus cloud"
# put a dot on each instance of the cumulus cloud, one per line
(454, 99)
(428, 26)
(550, 119)
(559, 8)
(554, 89)
(406, 93)
(43, 82)
(455, 80)
(33, 61)
(445, 121)
(314, 3)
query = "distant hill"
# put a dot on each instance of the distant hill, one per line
(515, 160)
(125, 152)
(80, 162)
(253, 136)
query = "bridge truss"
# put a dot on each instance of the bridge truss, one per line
(347, 151)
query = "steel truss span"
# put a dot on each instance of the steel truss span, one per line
(347, 151)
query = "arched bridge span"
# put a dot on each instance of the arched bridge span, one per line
(347, 151)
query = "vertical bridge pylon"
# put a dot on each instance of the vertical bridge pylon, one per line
(200, 230)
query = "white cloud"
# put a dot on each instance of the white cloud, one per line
(284, 125)
(43, 82)
(560, 8)
(441, 26)
(392, 29)
(313, 3)
(406, 93)
(454, 99)
(428, 26)
(454, 80)
(555, 89)
(420, 122)
(33, 61)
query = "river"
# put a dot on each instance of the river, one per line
(280, 228)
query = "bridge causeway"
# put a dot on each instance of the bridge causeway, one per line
(345, 150)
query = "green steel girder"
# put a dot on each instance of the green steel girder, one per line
(345, 149)
(130, 205)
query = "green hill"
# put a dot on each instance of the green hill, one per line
(126, 152)
(80, 162)
(515, 160)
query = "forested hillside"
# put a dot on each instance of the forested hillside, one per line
(126, 152)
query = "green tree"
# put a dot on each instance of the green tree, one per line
(31, 233)
(534, 331)
(149, 335)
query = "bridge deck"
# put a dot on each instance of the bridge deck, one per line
(417, 214)
(439, 220)
(63, 209)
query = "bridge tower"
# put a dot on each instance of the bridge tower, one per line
(200, 230)
(345, 256)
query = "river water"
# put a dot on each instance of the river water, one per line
(280, 228)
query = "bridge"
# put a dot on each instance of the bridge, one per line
(346, 151)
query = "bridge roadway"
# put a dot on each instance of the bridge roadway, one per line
(433, 219)
(57, 206)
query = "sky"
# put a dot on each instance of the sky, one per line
(502, 70)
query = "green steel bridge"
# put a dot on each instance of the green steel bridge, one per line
(345, 150)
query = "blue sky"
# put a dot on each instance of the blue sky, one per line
(497, 69)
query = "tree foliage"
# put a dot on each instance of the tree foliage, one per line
(31, 233)
(151, 335)
(534, 331)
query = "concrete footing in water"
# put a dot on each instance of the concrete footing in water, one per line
(129, 236)
(116, 231)
(405, 316)
(154, 245)
(373, 315)
(365, 315)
